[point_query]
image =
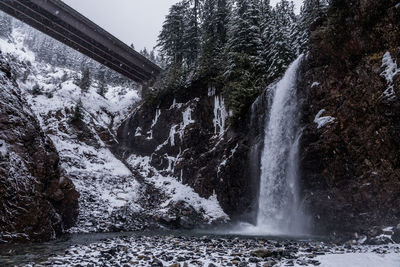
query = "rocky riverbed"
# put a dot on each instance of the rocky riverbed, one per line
(183, 249)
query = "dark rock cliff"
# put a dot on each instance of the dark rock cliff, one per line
(351, 165)
(36, 202)
(350, 150)
(189, 138)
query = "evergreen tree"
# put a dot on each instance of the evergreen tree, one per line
(5, 26)
(244, 43)
(171, 39)
(37, 90)
(64, 77)
(85, 81)
(191, 42)
(267, 36)
(281, 51)
(214, 36)
(310, 12)
(150, 56)
(153, 57)
(265, 8)
(209, 45)
(77, 116)
(102, 86)
(145, 53)
(222, 21)
(243, 53)
(45, 50)
(60, 55)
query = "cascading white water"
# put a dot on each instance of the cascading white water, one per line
(279, 209)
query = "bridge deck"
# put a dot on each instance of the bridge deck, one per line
(58, 20)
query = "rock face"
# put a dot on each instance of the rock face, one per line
(188, 138)
(350, 161)
(36, 201)
(351, 151)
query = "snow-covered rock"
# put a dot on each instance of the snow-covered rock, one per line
(321, 121)
(37, 202)
(389, 72)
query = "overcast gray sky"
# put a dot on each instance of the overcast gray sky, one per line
(132, 21)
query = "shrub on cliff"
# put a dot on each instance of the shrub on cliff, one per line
(77, 116)
(85, 81)
(36, 89)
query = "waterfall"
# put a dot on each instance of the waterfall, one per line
(279, 210)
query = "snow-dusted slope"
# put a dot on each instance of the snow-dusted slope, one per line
(111, 196)
(106, 185)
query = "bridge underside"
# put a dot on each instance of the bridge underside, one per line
(66, 25)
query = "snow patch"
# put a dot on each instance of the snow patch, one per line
(102, 159)
(16, 47)
(186, 120)
(157, 116)
(3, 148)
(154, 122)
(369, 259)
(211, 91)
(225, 160)
(220, 115)
(172, 133)
(176, 191)
(138, 131)
(390, 70)
(175, 105)
(322, 121)
(187, 117)
(315, 84)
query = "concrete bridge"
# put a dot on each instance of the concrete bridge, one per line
(60, 21)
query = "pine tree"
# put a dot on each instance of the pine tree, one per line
(214, 36)
(77, 116)
(267, 35)
(265, 8)
(102, 86)
(244, 44)
(209, 45)
(311, 11)
(60, 55)
(153, 57)
(145, 53)
(45, 51)
(222, 21)
(281, 51)
(244, 56)
(192, 33)
(171, 39)
(85, 81)
(37, 90)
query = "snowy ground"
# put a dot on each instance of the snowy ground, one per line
(367, 259)
(198, 250)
